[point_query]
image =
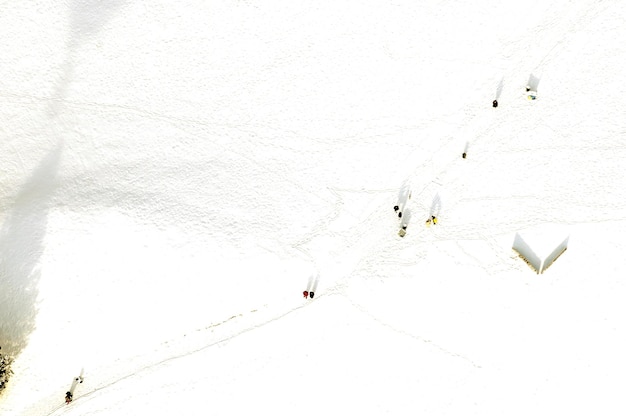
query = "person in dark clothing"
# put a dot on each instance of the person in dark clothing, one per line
(311, 294)
(495, 103)
(68, 397)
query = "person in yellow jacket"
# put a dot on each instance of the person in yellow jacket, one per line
(431, 220)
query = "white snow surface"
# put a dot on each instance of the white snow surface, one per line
(175, 173)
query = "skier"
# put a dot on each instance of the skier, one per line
(495, 103)
(306, 294)
(396, 208)
(531, 95)
(434, 219)
(68, 397)
(311, 294)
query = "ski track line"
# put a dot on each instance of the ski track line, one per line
(53, 409)
(333, 290)
(184, 124)
(297, 245)
(338, 203)
(415, 337)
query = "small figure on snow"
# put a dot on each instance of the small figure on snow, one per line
(311, 294)
(464, 155)
(495, 103)
(69, 396)
(530, 94)
(306, 294)
(434, 219)
(396, 208)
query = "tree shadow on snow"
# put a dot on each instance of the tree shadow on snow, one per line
(86, 19)
(21, 247)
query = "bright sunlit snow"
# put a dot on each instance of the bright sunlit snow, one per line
(176, 173)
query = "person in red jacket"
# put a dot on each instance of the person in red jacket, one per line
(306, 294)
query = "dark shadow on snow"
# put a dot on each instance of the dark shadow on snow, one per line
(435, 206)
(406, 218)
(309, 284)
(533, 82)
(316, 280)
(86, 19)
(499, 89)
(21, 247)
(76, 381)
(403, 197)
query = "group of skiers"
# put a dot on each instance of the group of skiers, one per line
(309, 292)
(531, 94)
(69, 396)
(431, 220)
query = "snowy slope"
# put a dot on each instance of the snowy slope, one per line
(174, 175)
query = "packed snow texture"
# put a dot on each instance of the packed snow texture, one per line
(174, 174)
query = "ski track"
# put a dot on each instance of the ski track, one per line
(377, 226)
(418, 338)
(153, 359)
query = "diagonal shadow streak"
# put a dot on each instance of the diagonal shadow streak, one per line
(22, 238)
(87, 18)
